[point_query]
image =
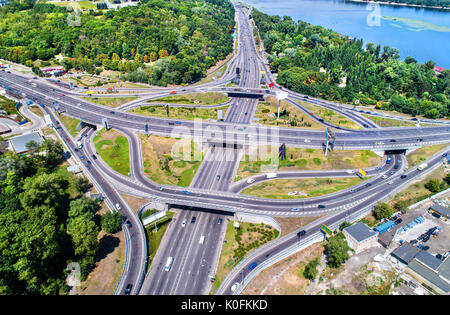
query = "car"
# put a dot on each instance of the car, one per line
(128, 289)
(350, 172)
(301, 233)
(160, 188)
(431, 231)
(218, 177)
(393, 140)
(384, 176)
(112, 112)
(234, 286)
(88, 167)
(186, 192)
(219, 221)
(67, 139)
(420, 139)
(436, 215)
(398, 221)
(439, 256)
(252, 265)
(421, 237)
(76, 149)
(250, 180)
(352, 190)
(396, 166)
(295, 209)
(426, 238)
(377, 168)
(392, 172)
(89, 162)
(403, 176)
(63, 94)
(82, 157)
(128, 223)
(193, 219)
(321, 206)
(426, 248)
(391, 182)
(307, 140)
(171, 124)
(365, 126)
(183, 224)
(413, 242)
(388, 160)
(118, 206)
(368, 184)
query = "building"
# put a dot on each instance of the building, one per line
(441, 210)
(386, 226)
(405, 253)
(431, 271)
(359, 236)
(18, 143)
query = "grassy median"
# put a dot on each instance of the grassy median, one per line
(113, 149)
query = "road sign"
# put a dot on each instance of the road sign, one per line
(219, 114)
(326, 230)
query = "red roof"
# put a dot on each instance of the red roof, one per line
(440, 69)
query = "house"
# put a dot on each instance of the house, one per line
(438, 70)
(360, 237)
(405, 253)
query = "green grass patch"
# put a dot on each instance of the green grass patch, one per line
(154, 237)
(110, 101)
(70, 124)
(207, 98)
(114, 150)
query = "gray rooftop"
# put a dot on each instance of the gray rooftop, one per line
(428, 260)
(360, 231)
(441, 209)
(19, 142)
(406, 252)
(430, 275)
(444, 270)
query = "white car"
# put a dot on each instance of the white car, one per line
(350, 172)
(384, 176)
(234, 287)
(183, 224)
(250, 180)
(391, 182)
(306, 140)
(118, 206)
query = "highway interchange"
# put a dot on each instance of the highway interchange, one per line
(213, 195)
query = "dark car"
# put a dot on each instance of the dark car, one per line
(426, 248)
(396, 166)
(365, 126)
(94, 157)
(393, 140)
(368, 184)
(301, 233)
(252, 266)
(171, 124)
(128, 289)
(431, 231)
(426, 238)
(421, 237)
(82, 157)
(88, 162)
(403, 176)
(128, 223)
(436, 215)
(439, 256)
(322, 206)
(413, 242)
(219, 221)
(112, 112)
(193, 219)
(398, 221)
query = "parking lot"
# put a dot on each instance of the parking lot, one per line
(437, 245)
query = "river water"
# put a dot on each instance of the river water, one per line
(423, 34)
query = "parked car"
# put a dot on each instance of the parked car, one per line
(398, 221)
(413, 242)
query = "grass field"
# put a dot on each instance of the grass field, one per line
(386, 122)
(83, 5)
(113, 149)
(312, 187)
(164, 168)
(70, 124)
(207, 98)
(110, 101)
(330, 116)
(418, 156)
(180, 112)
(253, 235)
(310, 159)
(290, 116)
(154, 238)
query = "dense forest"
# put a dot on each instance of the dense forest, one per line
(320, 62)
(157, 42)
(431, 3)
(45, 222)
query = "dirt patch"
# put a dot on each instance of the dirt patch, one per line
(291, 224)
(284, 277)
(135, 203)
(108, 269)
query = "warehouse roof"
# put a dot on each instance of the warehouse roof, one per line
(428, 260)
(19, 143)
(405, 253)
(430, 275)
(441, 209)
(360, 231)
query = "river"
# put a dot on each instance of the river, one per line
(423, 34)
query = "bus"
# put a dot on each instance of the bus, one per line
(168, 263)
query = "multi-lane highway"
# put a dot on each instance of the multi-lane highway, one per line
(213, 195)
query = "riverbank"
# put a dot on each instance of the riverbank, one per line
(402, 4)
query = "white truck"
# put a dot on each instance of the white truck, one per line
(271, 175)
(168, 263)
(80, 144)
(422, 166)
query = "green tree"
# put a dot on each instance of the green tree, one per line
(382, 210)
(336, 250)
(310, 271)
(433, 185)
(111, 222)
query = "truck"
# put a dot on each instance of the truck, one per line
(422, 166)
(271, 175)
(361, 173)
(388, 160)
(168, 263)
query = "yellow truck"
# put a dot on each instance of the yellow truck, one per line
(361, 173)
